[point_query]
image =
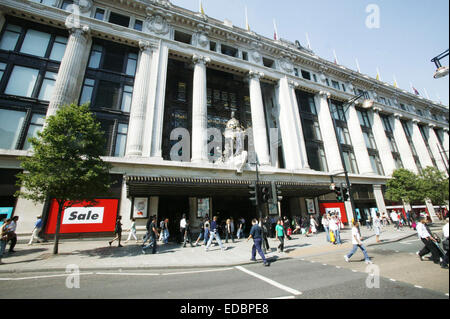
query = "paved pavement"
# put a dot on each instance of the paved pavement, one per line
(95, 254)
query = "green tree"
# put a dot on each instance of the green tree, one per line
(433, 184)
(66, 163)
(403, 186)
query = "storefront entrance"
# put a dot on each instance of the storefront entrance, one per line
(173, 208)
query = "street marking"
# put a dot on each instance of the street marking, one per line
(338, 267)
(41, 277)
(354, 270)
(195, 272)
(420, 287)
(393, 280)
(324, 264)
(286, 297)
(126, 274)
(269, 281)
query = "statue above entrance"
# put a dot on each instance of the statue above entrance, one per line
(234, 153)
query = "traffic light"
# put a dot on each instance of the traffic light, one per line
(345, 192)
(338, 192)
(265, 194)
(253, 193)
(275, 194)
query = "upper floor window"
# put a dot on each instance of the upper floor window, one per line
(66, 3)
(363, 118)
(99, 14)
(46, 2)
(33, 42)
(386, 124)
(113, 57)
(227, 50)
(119, 19)
(306, 75)
(183, 37)
(335, 84)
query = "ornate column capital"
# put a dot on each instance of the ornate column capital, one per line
(432, 126)
(416, 121)
(255, 75)
(376, 109)
(199, 59)
(398, 115)
(446, 130)
(293, 84)
(324, 94)
(146, 46)
(78, 30)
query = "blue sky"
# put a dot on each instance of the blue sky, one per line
(411, 33)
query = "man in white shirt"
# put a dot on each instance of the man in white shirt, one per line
(428, 241)
(394, 218)
(182, 227)
(356, 241)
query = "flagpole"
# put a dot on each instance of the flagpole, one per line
(357, 66)
(276, 37)
(335, 57)
(247, 26)
(307, 40)
(425, 90)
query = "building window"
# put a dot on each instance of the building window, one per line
(126, 98)
(343, 135)
(59, 47)
(96, 55)
(46, 2)
(35, 43)
(10, 37)
(22, 81)
(343, 88)
(131, 64)
(119, 19)
(88, 89)
(376, 164)
(2, 69)
(392, 144)
(11, 123)
(306, 75)
(315, 77)
(350, 162)
(36, 125)
(370, 141)
(213, 47)
(269, 63)
(99, 14)
(244, 56)
(230, 51)
(386, 124)
(47, 86)
(335, 84)
(138, 25)
(121, 140)
(66, 4)
(183, 37)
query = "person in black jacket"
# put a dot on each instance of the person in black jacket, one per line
(187, 234)
(117, 232)
(265, 234)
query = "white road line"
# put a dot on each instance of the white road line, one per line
(270, 281)
(420, 287)
(446, 294)
(195, 272)
(46, 276)
(393, 280)
(126, 274)
(338, 267)
(286, 297)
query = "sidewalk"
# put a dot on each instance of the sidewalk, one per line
(95, 254)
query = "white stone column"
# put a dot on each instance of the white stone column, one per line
(290, 127)
(403, 145)
(70, 71)
(433, 142)
(199, 111)
(139, 102)
(379, 199)
(431, 211)
(358, 143)
(259, 127)
(330, 143)
(419, 144)
(446, 143)
(383, 144)
(2, 19)
(300, 138)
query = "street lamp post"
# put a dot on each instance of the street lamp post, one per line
(366, 104)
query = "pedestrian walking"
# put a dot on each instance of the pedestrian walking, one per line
(12, 234)
(394, 218)
(164, 228)
(377, 227)
(280, 235)
(445, 243)
(286, 226)
(313, 225)
(428, 240)
(117, 232)
(265, 234)
(152, 235)
(240, 231)
(214, 234)
(4, 237)
(297, 225)
(357, 243)
(132, 231)
(408, 218)
(188, 234)
(229, 230)
(36, 230)
(326, 225)
(334, 227)
(369, 221)
(182, 227)
(201, 235)
(256, 235)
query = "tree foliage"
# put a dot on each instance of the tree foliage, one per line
(409, 187)
(65, 164)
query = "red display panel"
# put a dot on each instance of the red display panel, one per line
(337, 207)
(79, 219)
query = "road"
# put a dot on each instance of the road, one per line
(401, 275)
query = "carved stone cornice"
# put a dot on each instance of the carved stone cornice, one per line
(324, 94)
(147, 46)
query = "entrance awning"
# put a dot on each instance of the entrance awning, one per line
(141, 186)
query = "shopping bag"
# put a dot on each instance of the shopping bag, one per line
(289, 231)
(332, 239)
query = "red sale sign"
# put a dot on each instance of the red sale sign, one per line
(81, 219)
